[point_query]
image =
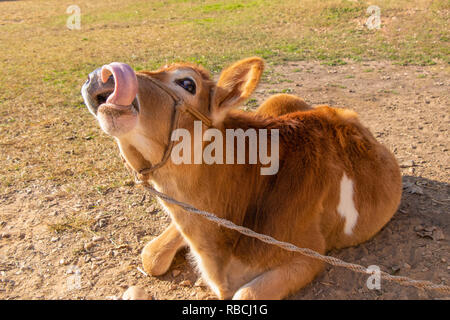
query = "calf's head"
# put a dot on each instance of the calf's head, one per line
(137, 109)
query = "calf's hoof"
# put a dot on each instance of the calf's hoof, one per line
(155, 261)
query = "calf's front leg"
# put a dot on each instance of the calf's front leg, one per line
(158, 254)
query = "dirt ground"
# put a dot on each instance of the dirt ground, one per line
(407, 108)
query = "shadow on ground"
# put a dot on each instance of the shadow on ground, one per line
(414, 244)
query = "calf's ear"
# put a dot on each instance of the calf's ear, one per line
(235, 85)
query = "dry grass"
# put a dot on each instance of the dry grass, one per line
(78, 223)
(48, 138)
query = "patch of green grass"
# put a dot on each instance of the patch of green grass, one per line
(204, 21)
(391, 91)
(335, 62)
(77, 223)
(336, 85)
(342, 11)
(289, 48)
(251, 103)
(285, 80)
(228, 6)
(265, 53)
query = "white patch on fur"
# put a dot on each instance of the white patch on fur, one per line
(137, 140)
(141, 143)
(121, 147)
(346, 207)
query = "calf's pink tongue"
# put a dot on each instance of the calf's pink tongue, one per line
(125, 83)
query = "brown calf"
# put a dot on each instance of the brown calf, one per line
(336, 185)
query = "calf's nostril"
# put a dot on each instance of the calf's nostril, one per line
(102, 97)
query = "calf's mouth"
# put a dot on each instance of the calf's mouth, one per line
(111, 95)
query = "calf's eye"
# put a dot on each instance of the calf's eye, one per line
(187, 84)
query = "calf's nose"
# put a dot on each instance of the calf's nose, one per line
(95, 91)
